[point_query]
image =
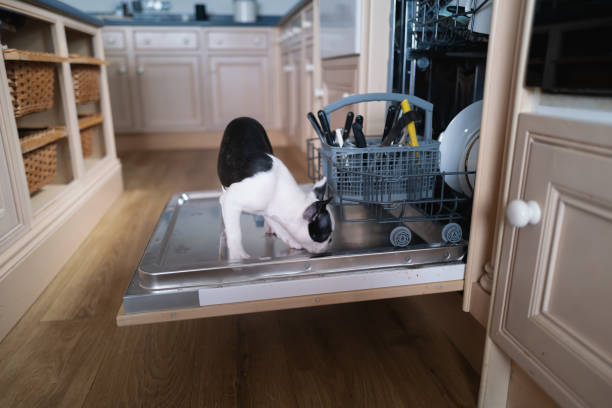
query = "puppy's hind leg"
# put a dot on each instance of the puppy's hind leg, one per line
(233, 234)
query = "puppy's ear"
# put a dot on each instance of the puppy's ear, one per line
(313, 210)
(319, 188)
(310, 212)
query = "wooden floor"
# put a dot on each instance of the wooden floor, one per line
(67, 351)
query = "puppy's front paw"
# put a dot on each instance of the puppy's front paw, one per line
(238, 254)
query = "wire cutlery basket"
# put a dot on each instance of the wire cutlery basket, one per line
(399, 183)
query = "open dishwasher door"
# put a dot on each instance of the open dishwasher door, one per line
(184, 272)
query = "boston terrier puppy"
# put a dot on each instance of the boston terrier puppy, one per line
(256, 182)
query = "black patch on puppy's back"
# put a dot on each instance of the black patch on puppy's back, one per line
(244, 151)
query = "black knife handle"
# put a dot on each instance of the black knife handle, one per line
(360, 140)
(359, 119)
(347, 125)
(396, 130)
(315, 125)
(391, 114)
(326, 129)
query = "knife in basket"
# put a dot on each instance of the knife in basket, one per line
(315, 125)
(347, 126)
(391, 114)
(396, 130)
(326, 129)
(360, 140)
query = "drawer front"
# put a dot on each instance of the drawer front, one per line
(223, 40)
(113, 40)
(150, 40)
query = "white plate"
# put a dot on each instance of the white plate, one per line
(468, 162)
(454, 139)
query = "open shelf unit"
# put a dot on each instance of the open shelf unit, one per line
(86, 68)
(77, 61)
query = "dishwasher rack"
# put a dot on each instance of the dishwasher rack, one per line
(395, 184)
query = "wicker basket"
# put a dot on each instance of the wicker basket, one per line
(39, 148)
(87, 125)
(86, 82)
(40, 166)
(87, 141)
(31, 86)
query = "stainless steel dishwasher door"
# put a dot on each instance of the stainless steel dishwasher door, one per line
(186, 256)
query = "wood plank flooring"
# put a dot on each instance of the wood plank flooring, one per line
(67, 352)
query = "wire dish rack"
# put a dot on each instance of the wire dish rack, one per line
(396, 184)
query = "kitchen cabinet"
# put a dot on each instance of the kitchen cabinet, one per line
(169, 92)
(40, 228)
(301, 72)
(9, 218)
(192, 79)
(552, 298)
(119, 88)
(340, 78)
(239, 86)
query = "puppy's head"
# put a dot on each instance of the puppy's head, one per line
(319, 221)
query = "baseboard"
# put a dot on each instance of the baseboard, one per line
(182, 140)
(35, 265)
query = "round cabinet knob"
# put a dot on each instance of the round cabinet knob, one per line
(521, 213)
(309, 67)
(185, 41)
(147, 41)
(122, 69)
(140, 70)
(256, 40)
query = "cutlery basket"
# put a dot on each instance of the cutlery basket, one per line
(378, 174)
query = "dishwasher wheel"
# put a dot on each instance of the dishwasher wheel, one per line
(452, 233)
(400, 236)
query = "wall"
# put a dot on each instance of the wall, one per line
(266, 7)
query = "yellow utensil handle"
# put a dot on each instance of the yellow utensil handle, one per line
(410, 128)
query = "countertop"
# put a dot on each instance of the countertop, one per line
(176, 20)
(164, 20)
(66, 10)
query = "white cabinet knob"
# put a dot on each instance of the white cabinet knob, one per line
(319, 92)
(147, 41)
(122, 69)
(185, 41)
(309, 68)
(140, 70)
(521, 213)
(306, 24)
(287, 68)
(257, 40)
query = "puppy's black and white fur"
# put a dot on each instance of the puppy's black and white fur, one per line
(256, 182)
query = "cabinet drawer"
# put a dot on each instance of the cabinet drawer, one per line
(219, 40)
(183, 40)
(113, 40)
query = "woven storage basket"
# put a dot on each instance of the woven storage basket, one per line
(87, 141)
(31, 86)
(39, 148)
(86, 82)
(40, 166)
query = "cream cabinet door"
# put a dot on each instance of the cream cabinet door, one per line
(340, 78)
(553, 300)
(9, 219)
(119, 88)
(239, 86)
(169, 92)
(285, 91)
